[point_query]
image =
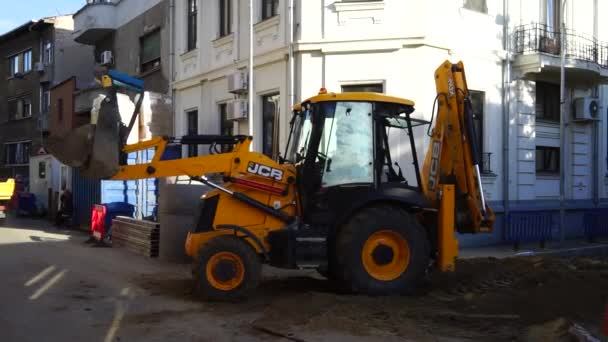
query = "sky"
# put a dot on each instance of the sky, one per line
(14, 13)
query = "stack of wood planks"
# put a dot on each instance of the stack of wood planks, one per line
(140, 237)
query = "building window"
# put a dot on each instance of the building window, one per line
(47, 56)
(150, 51)
(14, 65)
(60, 110)
(370, 87)
(225, 17)
(27, 61)
(477, 105)
(45, 100)
(17, 153)
(547, 101)
(20, 108)
(547, 160)
(192, 127)
(26, 104)
(270, 8)
(225, 125)
(476, 5)
(192, 15)
(270, 132)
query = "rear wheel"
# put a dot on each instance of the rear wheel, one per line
(382, 250)
(227, 269)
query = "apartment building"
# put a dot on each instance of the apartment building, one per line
(35, 56)
(131, 37)
(511, 51)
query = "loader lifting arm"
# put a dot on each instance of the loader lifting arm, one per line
(451, 178)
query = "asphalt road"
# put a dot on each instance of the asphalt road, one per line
(56, 288)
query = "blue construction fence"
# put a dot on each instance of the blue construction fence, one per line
(142, 194)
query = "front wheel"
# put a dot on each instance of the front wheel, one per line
(382, 250)
(227, 269)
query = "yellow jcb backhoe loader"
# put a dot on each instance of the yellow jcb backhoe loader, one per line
(336, 201)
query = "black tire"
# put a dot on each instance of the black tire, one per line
(246, 254)
(353, 236)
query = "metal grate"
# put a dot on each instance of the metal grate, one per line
(534, 38)
(595, 223)
(529, 226)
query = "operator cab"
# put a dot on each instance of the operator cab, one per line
(341, 148)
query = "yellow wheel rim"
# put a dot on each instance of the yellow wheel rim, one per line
(385, 255)
(225, 271)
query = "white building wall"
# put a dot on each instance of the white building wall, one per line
(399, 44)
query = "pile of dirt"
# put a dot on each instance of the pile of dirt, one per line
(485, 299)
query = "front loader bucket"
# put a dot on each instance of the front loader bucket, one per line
(95, 149)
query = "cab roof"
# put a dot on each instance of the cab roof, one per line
(358, 96)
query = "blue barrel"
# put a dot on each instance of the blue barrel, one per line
(114, 209)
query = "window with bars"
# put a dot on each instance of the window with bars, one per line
(225, 125)
(225, 17)
(547, 101)
(477, 105)
(192, 25)
(17, 153)
(192, 127)
(547, 160)
(150, 51)
(270, 8)
(270, 115)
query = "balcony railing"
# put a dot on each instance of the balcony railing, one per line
(535, 38)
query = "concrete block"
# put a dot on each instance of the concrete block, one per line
(173, 232)
(180, 199)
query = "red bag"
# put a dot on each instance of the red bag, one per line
(98, 218)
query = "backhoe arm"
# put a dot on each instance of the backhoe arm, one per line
(452, 157)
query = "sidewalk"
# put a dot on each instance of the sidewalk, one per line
(568, 248)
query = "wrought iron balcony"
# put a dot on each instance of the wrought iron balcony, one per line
(539, 38)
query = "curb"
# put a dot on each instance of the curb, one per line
(599, 250)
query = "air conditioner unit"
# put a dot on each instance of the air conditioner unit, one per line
(39, 67)
(237, 82)
(106, 58)
(237, 110)
(585, 108)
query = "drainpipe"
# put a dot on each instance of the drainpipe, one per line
(506, 112)
(251, 88)
(292, 95)
(596, 123)
(562, 128)
(172, 59)
(596, 172)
